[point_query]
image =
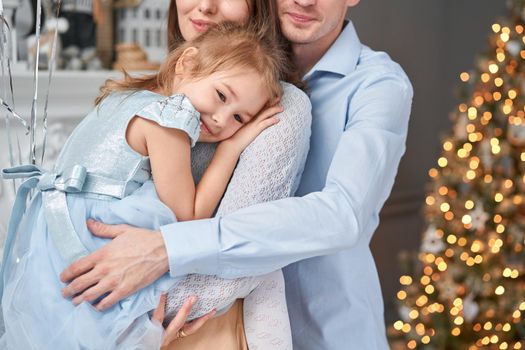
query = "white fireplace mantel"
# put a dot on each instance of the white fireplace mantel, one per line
(71, 95)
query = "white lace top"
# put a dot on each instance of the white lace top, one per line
(269, 169)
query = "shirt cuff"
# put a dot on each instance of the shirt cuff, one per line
(192, 246)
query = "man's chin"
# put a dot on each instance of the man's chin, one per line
(300, 37)
(297, 33)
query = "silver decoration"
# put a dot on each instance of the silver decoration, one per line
(6, 63)
(51, 68)
(16, 116)
(32, 131)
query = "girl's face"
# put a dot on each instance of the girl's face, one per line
(226, 100)
(196, 16)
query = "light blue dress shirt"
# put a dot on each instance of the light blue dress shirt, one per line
(361, 102)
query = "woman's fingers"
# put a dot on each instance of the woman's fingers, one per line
(172, 331)
(180, 318)
(160, 311)
(193, 326)
(179, 324)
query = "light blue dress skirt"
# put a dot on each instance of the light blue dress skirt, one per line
(37, 316)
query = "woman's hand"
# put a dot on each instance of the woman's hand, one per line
(266, 118)
(178, 327)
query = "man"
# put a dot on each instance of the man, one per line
(361, 103)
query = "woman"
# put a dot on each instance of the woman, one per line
(190, 18)
(269, 168)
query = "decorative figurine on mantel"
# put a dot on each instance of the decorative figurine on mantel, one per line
(8, 8)
(79, 41)
(50, 24)
(140, 33)
(76, 46)
(132, 57)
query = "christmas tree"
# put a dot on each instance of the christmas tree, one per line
(466, 287)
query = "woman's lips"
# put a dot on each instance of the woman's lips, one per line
(201, 25)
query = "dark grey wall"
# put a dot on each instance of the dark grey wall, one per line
(433, 40)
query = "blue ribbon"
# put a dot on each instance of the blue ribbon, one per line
(69, 180)
(53, 186)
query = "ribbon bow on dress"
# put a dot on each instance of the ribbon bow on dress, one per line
(54, 187)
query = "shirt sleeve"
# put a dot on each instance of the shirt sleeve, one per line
(268, 236)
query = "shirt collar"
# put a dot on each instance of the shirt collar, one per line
(341, 58)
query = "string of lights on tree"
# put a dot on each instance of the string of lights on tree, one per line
(466, 288)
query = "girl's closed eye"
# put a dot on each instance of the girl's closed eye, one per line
(222, 97)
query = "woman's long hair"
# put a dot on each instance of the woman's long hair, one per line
(264, 20)
(223, 47)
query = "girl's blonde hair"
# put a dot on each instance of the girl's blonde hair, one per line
(222, 47)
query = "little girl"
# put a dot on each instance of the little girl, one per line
(211, 89)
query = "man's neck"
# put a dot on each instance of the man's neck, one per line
(307, 55)
(304, 58)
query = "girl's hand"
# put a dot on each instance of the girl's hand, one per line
(178, 327)
(266, 118)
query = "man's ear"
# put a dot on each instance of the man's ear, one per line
(185, 61)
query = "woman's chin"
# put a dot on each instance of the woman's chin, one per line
(191, 32)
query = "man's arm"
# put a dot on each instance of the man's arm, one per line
(268, 169)
(268, 236)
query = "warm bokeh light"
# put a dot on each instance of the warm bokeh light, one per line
(465, 290)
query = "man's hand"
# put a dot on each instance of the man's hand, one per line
(134, 259)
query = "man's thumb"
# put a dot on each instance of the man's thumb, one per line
(100, 229)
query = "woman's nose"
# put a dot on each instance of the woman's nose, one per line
(208, 7)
